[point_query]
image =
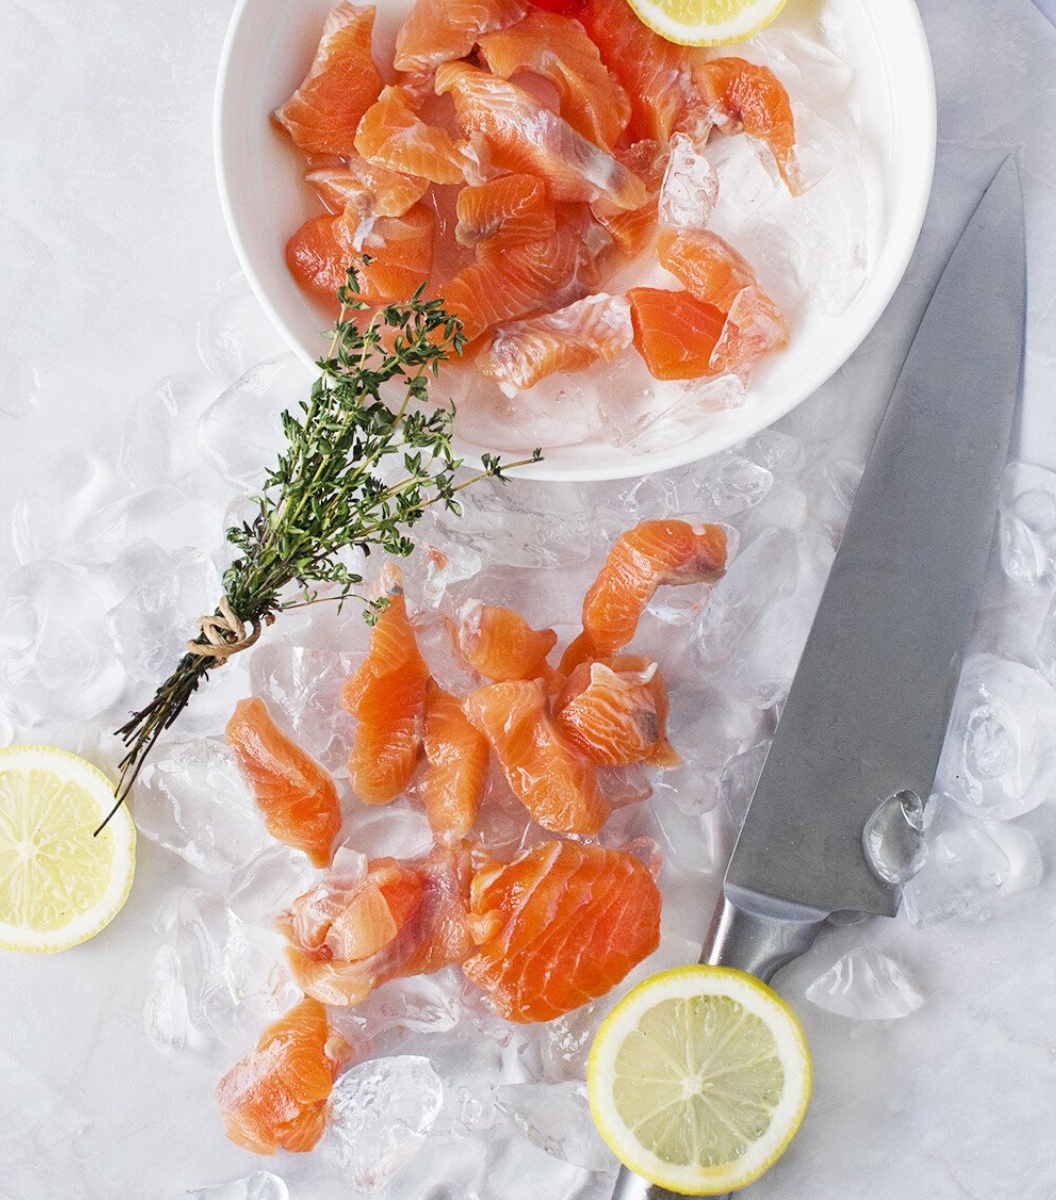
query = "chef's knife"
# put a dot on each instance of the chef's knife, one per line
(867, 713)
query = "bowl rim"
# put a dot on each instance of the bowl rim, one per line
(744, 422)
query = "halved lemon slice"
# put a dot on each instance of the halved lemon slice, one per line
(706, 22)
(699, 1078)
(59, 884)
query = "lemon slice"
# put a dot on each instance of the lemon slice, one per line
(59, 884)
(699, 1078)
(706, 22)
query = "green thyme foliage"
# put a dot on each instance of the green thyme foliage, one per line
(365, 456)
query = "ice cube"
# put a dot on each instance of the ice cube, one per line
(261, 1185)
(191, 798)
(397, 830)
(692, 841)
(751, 635)
(234, 974)
(235, 334)
(162, 515)
(241, 432)
(158, 614)
(1028, 493)
(67, 486)
(966, 869)
(269, 882)
(556, 1118)
(304, 685)
(1023, 556)
(381, 1112)
(165, 1012)
(437, 634)
(893, 838)
(690, 188)
(158, 442)
(430, 571)
(866, 985)
(999, 758)
(56, 658)
(1025, 866)
(419, 1004)
(726, 485)
(521, 523)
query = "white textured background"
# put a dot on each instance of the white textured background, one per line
(111, 250)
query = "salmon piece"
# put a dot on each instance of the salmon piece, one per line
(523, 352)
(557, 48)
(392, 135)
(295, 795)
(753, 95)
(276, 1096)
(560, 926)
(631, 229)
(674, 332)
(321, 251)
(342, 83)
(656, 74)
(429, 915)
(386, 695)
(708, 266)
(524, 136)
(554, 781)
(714, 272)
(651, 555)
(516, 208)
(367, 189)
(501, 644)
(439, 31)
(456, 771)
(509, 281)
(615, 711)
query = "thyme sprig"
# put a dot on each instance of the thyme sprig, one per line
(356, 473)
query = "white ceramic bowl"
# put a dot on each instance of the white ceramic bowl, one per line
(270, 42)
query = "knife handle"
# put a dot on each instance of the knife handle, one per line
(754, 935)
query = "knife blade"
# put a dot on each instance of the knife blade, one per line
(867, 712)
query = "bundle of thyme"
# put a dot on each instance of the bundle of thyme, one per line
(326, 494)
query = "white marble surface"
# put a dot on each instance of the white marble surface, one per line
(113, 249)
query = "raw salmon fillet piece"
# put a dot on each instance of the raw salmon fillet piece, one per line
(367, 189)
(320, 252)
(456, 767)
(501, 644)
(392, 135)
(675, 332)
(557, 48)
(615, 711)
(652, 554)
(322, 114)
(656, 74)
(509, 281)
(516, 208)
(524, 136)
(522, 353)
(742, 91)
(386, 695)
(276, 1096)
(438, 31)
(705, 264)
(559, 926)
(295, 794)
(553, 780)
(411, 917)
